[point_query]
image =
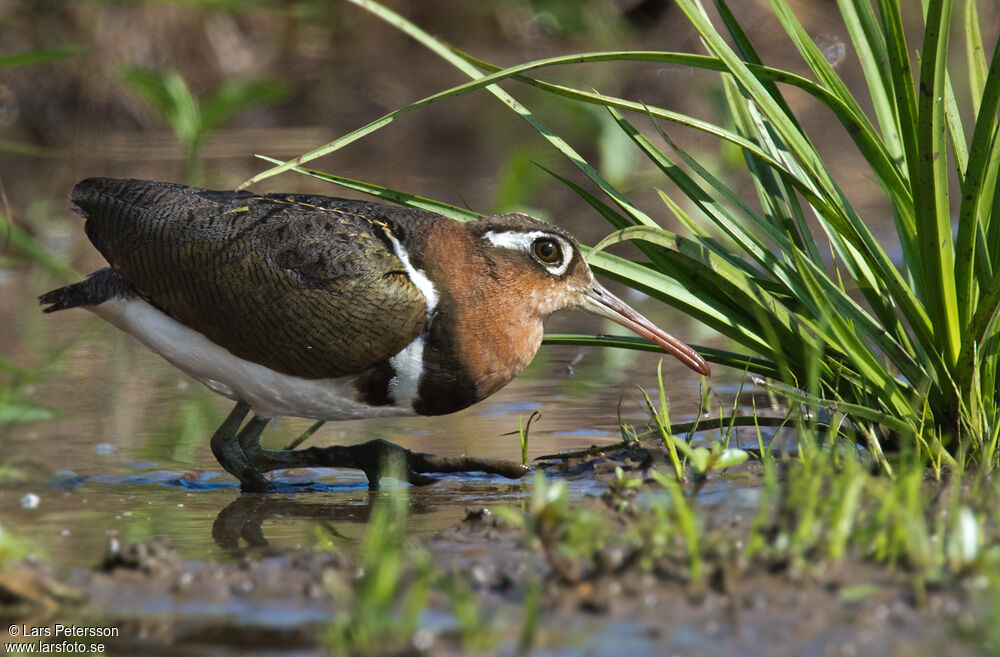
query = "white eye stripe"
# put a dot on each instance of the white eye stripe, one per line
(520, 241)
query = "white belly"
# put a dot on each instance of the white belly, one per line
(269, 393)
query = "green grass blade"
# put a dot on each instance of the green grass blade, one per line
(236, 96)
(714, 273)
(15, 238)
(815, 59)
(24, 148)
(855, 411)
(930, 175)
(790, 134)
(982, 159)
(750, 56)
(844, 306)
(716, 212)
(440, 49)
(775, 194)
(384, 193)
(857, 128)
(755, 364)
(676, 293)
(975, 54)
(869, 46)
(33, 57)
(952, 117)
(167, 92)
(845, 337)
(770, 190)
(720, 250)
(901, 76)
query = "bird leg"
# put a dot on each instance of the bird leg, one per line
(226, 447)
(371, 457)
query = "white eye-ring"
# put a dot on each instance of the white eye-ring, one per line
(549, 250)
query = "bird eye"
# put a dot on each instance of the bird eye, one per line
(546, 250)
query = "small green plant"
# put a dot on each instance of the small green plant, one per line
(531, 608)
(395, 583)
(479, 630)
(828, 505)
(579, 542)
(570, 536)
(685, 521)
(522, 433)
(384, 604)
(701, 460)
(192, 120)
(12, 550)
(15, 408)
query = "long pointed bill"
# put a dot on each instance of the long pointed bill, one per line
(599, 301)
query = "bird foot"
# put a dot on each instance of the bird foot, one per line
(378, 457)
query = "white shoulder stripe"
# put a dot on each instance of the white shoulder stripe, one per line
(408, 364)
(418, 277)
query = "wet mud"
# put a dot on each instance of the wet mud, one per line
(255, 596)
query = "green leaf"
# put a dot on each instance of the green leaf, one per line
(22, 242)
(972, 218)
(854, 411)
(21, 413)
(386, 194)
(23, 148)
(730, 457)
(711, 354)
(237, 96)
(700, 460)
(975, 54)
(930, 176)
(44, 56)
(870, 48)
(170, 97)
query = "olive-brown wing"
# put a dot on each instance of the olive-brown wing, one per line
(307, 291)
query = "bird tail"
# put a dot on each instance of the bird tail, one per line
(97, 288)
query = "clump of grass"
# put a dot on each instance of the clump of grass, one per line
(822, 509)
(914, 363)
(580, 542)
(829, 506)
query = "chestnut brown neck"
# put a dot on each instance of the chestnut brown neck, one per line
(486, 329)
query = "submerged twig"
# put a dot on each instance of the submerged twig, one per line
(677, 428)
